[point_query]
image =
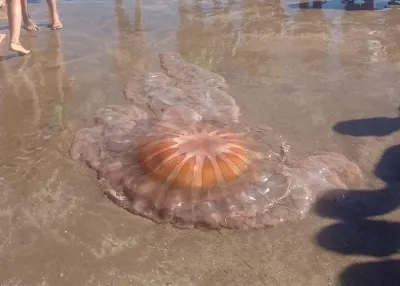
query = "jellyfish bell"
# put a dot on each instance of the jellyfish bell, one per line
(199, 156)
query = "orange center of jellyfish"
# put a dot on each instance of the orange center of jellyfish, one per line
(198, 160)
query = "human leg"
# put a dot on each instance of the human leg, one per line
(14, 22)
(55, 18)
(28, 23)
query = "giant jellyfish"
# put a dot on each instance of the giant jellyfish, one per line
(191, 162)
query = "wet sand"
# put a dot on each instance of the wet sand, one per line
(299, 71)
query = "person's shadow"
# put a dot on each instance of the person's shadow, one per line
(378, 126)
(357, 232)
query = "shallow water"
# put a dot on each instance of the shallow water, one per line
(300, 71)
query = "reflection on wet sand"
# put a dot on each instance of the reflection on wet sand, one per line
(196, 35)
(32, 128)
(32, 116)
(39, 113)
(132, 41)
(297, 70)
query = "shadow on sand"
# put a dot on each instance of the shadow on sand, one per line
(378, 126)
(356, 232)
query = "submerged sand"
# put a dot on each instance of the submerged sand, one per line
(300, 72)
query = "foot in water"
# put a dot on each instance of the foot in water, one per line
(2, 37)
(56, 23)
(29, 25)
(18, 48)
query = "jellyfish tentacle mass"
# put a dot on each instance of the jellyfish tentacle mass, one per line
(185, 166)
(186, 84)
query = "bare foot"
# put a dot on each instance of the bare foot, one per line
(2, 37)
(29, 25)
(18, 48)
(2, 3)
(56, 23)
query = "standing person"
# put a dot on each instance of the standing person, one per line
(14, 14)
(17, 10)
(31, 26)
